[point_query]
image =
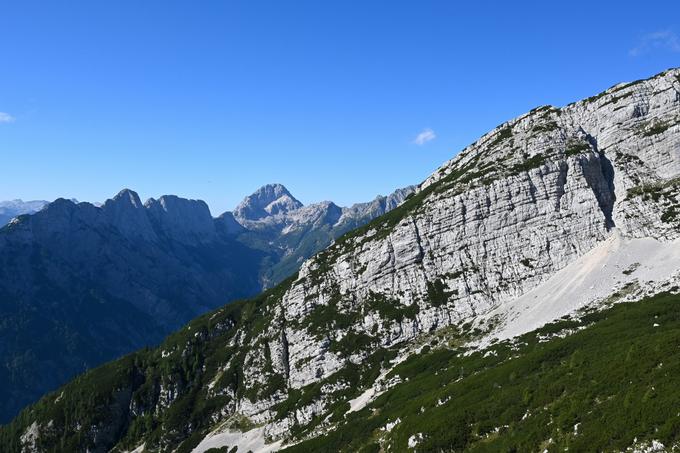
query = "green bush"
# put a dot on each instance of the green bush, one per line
(595, 390)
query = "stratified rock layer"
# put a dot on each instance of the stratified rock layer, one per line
(503, 216)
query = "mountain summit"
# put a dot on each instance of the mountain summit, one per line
(268, 200)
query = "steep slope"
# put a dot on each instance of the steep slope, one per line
(301, 362)
(100, 282)
(14, 208)
(606, 381)
(80, 285)
(268, 200)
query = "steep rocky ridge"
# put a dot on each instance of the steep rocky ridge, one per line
(497, 221)
(188, 221)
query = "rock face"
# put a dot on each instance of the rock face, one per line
(188, 221)
(503, 216)
(268, 200)
(15, 208)
(497, 221)
(100, 282)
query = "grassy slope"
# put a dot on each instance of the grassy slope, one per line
(595, 390)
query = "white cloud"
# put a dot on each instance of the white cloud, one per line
(6, 118)
(659, 40)
(425, 136)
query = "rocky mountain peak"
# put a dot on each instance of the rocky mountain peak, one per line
(183, 219)
(270, 199)
(126, 196)
(127, 213)
(59, 208)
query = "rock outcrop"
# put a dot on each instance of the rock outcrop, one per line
(188, 221)
(499, 219)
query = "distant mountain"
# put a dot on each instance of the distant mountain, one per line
(268, 200)
(14, 208)
(282, 226)
(99, 282)
(524, 298)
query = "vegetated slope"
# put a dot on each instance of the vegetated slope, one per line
(602, 381)
(81, 285)
(497, 222)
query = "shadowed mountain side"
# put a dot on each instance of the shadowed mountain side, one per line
(81, 284)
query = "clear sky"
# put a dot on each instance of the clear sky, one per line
(338, 100)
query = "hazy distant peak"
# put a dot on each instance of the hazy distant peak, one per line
(126, 196)
(270, 199)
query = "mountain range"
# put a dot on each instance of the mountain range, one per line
(272, 220)
(523, 298)
(82, 284)
(14, 208)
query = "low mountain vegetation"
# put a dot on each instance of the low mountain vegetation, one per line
(604, 381)
(606, 387)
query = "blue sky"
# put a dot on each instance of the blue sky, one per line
(212, 99)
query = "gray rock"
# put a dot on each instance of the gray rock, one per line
(268, 200)
(297, 232)
(122, 275)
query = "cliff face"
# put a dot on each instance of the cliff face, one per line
(502, 217)
(268, 200)
(498, 221)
